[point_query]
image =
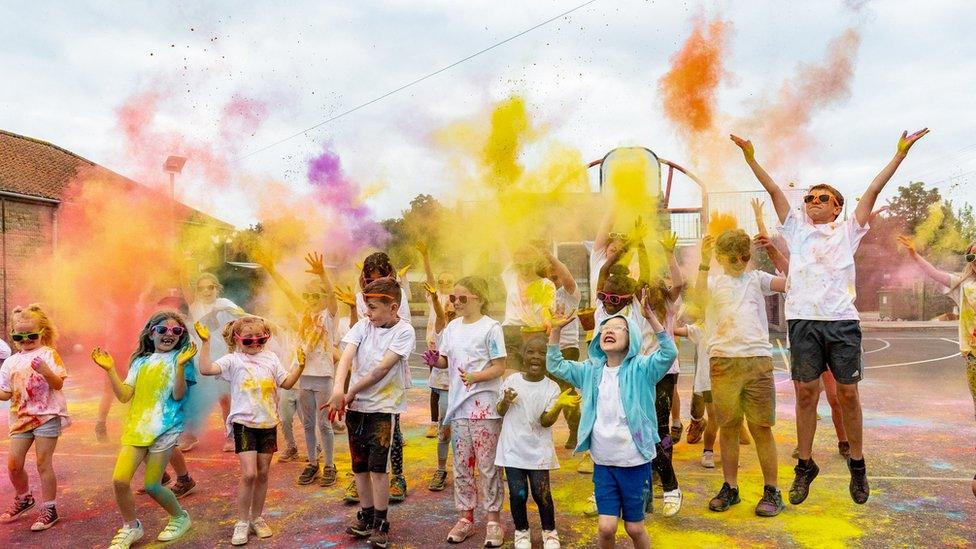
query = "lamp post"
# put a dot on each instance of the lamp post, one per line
(173, 166)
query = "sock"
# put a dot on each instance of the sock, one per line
(49, 503)
(708, 450)
(368, 514)
(184, 478)
(379, 517)
(24, 495)
(857, 463)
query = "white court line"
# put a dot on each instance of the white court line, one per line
(886, 345)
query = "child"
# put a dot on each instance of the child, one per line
(254, 374)
(160, 372)
(530, 404)
(824, 324)
(32, 380)
(706, 423)
(376, 351)
(473, 348)
(443, 287)
(740, 362)
(619, 422)
(439, 383)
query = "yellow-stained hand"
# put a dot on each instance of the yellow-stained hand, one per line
(202, 331)
(102, 359)
(300, 356)
(640, 231)
(909, 244)
(906, 141)
(315, 265)
(422, 248)
(669, 242)
(559, 317)
(430, 289)
(510, 395)
(707, 249)
(647, 311)
(345, 295)
(186, 354)
(568, 399)
(403, 271)
(748, 150)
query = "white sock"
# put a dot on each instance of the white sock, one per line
(49, 503)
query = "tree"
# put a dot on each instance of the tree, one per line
(911, 205)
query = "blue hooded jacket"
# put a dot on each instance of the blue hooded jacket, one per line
(638, 378)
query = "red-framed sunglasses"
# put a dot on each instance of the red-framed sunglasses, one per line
(613, 299)
(159, 329)
(251, 341)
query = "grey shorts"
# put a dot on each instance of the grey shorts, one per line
(165, 441)
(820, 345)
(49, 429)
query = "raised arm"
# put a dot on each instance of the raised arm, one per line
(570, 371)
(670, 244)
(105, 361)
(317, 268)
(346, 296)
(605, 269)
(863, 211)
(779, 260)
(701, 283)
(293, 298)
(425, 258)
(930, 270)
(179, 383)
(602, 239)
(560, 270)
(205, 364)
(780, 203)
(440, 319)
(757, 211)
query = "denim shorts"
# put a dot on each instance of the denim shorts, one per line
(165, 441)
(49, 429)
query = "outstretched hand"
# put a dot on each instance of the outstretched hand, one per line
(509, 395)
(345, 295)
(186, 354)
(640, 231)
(431, 357)
(669, 242)
(421, 248)
(568, 399)
(906, 141)
(202, 331)
(559, 317)
(909, 244)
(707, 249)
(402, 272)
(748, 150)
(646, 310)
(39, 366)
(102, 359)
(315, 265)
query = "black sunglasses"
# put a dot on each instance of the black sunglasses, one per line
(822, 198)
(33, 336)
(462, 299)
(311, 296)
(970, 258)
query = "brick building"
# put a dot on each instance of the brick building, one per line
(34, 177)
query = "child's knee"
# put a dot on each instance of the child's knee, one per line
(607, 530)
(15, 464)
(635, 529)
(120, 484)
(249, 476)
(44, 463)
(518, 496)
(153, 488)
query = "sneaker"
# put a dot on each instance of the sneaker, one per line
(550, 539)
(494, 534)
(363, 526)
(309, 474)
(175, 528)
(676, 431)
(844, 449)
(696, 430)
(398, 489)
(260, 528)
(438, 481)
(20, 505)
(672, 502)
(101, 432)
(164, 481)
(771, 503)
(188, 442)
(181, 488)
(241, 530)
(591, 508)
(463, 529)
(126, 536)
(431, 431)
(47, 518)
(727, 497)
(352, 493)
(523, 539)
(585, 466)
(381, 535)
(290, 454)
(708, 459)
(801, 482)
(228, 447)
(328, 475)
(859, 483)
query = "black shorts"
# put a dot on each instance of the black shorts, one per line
(819, 345)
(251, 439)
(370, 435)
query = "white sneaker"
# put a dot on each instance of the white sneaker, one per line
(523, 539)
(176, 527)
(494, 535)
(672, 502)
(461, 531)
(260, 528)
(591, 510)
(241, 529)
(126, 536)
(550, 539)
(708, 459)
(585, 466)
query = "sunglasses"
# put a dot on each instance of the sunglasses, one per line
(613, 299)
(33, 336)
(735, 259)
(970, 258)
(159, 329)
(821, 198)
(249, 341)
(312, 296)
(205, 288)
(462, 299)
(617, 236)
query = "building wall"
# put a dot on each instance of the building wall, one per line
(25, 228)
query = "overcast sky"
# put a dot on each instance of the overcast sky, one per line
(591, 78)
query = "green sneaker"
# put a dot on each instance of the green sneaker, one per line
(175, 528)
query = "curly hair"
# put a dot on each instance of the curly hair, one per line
(378, 262)
(235, 327)
(34, 311)
(733, 243)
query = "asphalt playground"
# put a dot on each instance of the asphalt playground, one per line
(919, 430)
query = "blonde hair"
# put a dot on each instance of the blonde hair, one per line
(211, 277)
(236, 326)
(33, 311)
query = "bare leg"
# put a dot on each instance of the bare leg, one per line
(850, 402)
(766, 449)
(836, 414)
(607, 531)
(15, 464)
(44, 449)
(245, 492)
(364, 486)
(179, 462)
(125, 468)
(711, 428)
(638, 534)
(260, 485)
(729, 442)
(807, 396)
(155, 465)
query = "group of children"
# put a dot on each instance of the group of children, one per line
(619, 401)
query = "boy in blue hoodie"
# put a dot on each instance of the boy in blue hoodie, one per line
(619, 423)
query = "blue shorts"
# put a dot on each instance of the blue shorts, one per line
(49, 429)
(622, 491)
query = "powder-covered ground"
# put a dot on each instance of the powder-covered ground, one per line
(919, 446)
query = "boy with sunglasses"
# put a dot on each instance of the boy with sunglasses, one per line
(824, 324)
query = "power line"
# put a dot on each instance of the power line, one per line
(417, 81)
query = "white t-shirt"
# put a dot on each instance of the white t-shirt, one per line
(389, 394)
(404, 310)
(524, 443)
(439, 378)
(4, 350)
(611, 443)
(471, 347)
(821, 283)
(735, 318)
(319, 361)
(570, 336)
(254, 382)
(526, 302)
(703, 374)
(649, 342)
(965, 297)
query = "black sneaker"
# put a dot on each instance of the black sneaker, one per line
(381, 535)
(181, 488)
(771, 503)
(727, 497)
(20, 505)
(801, 483)
(309, 473)
(844, 448)
(363, 527)
(45, 520)
(859, 483)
